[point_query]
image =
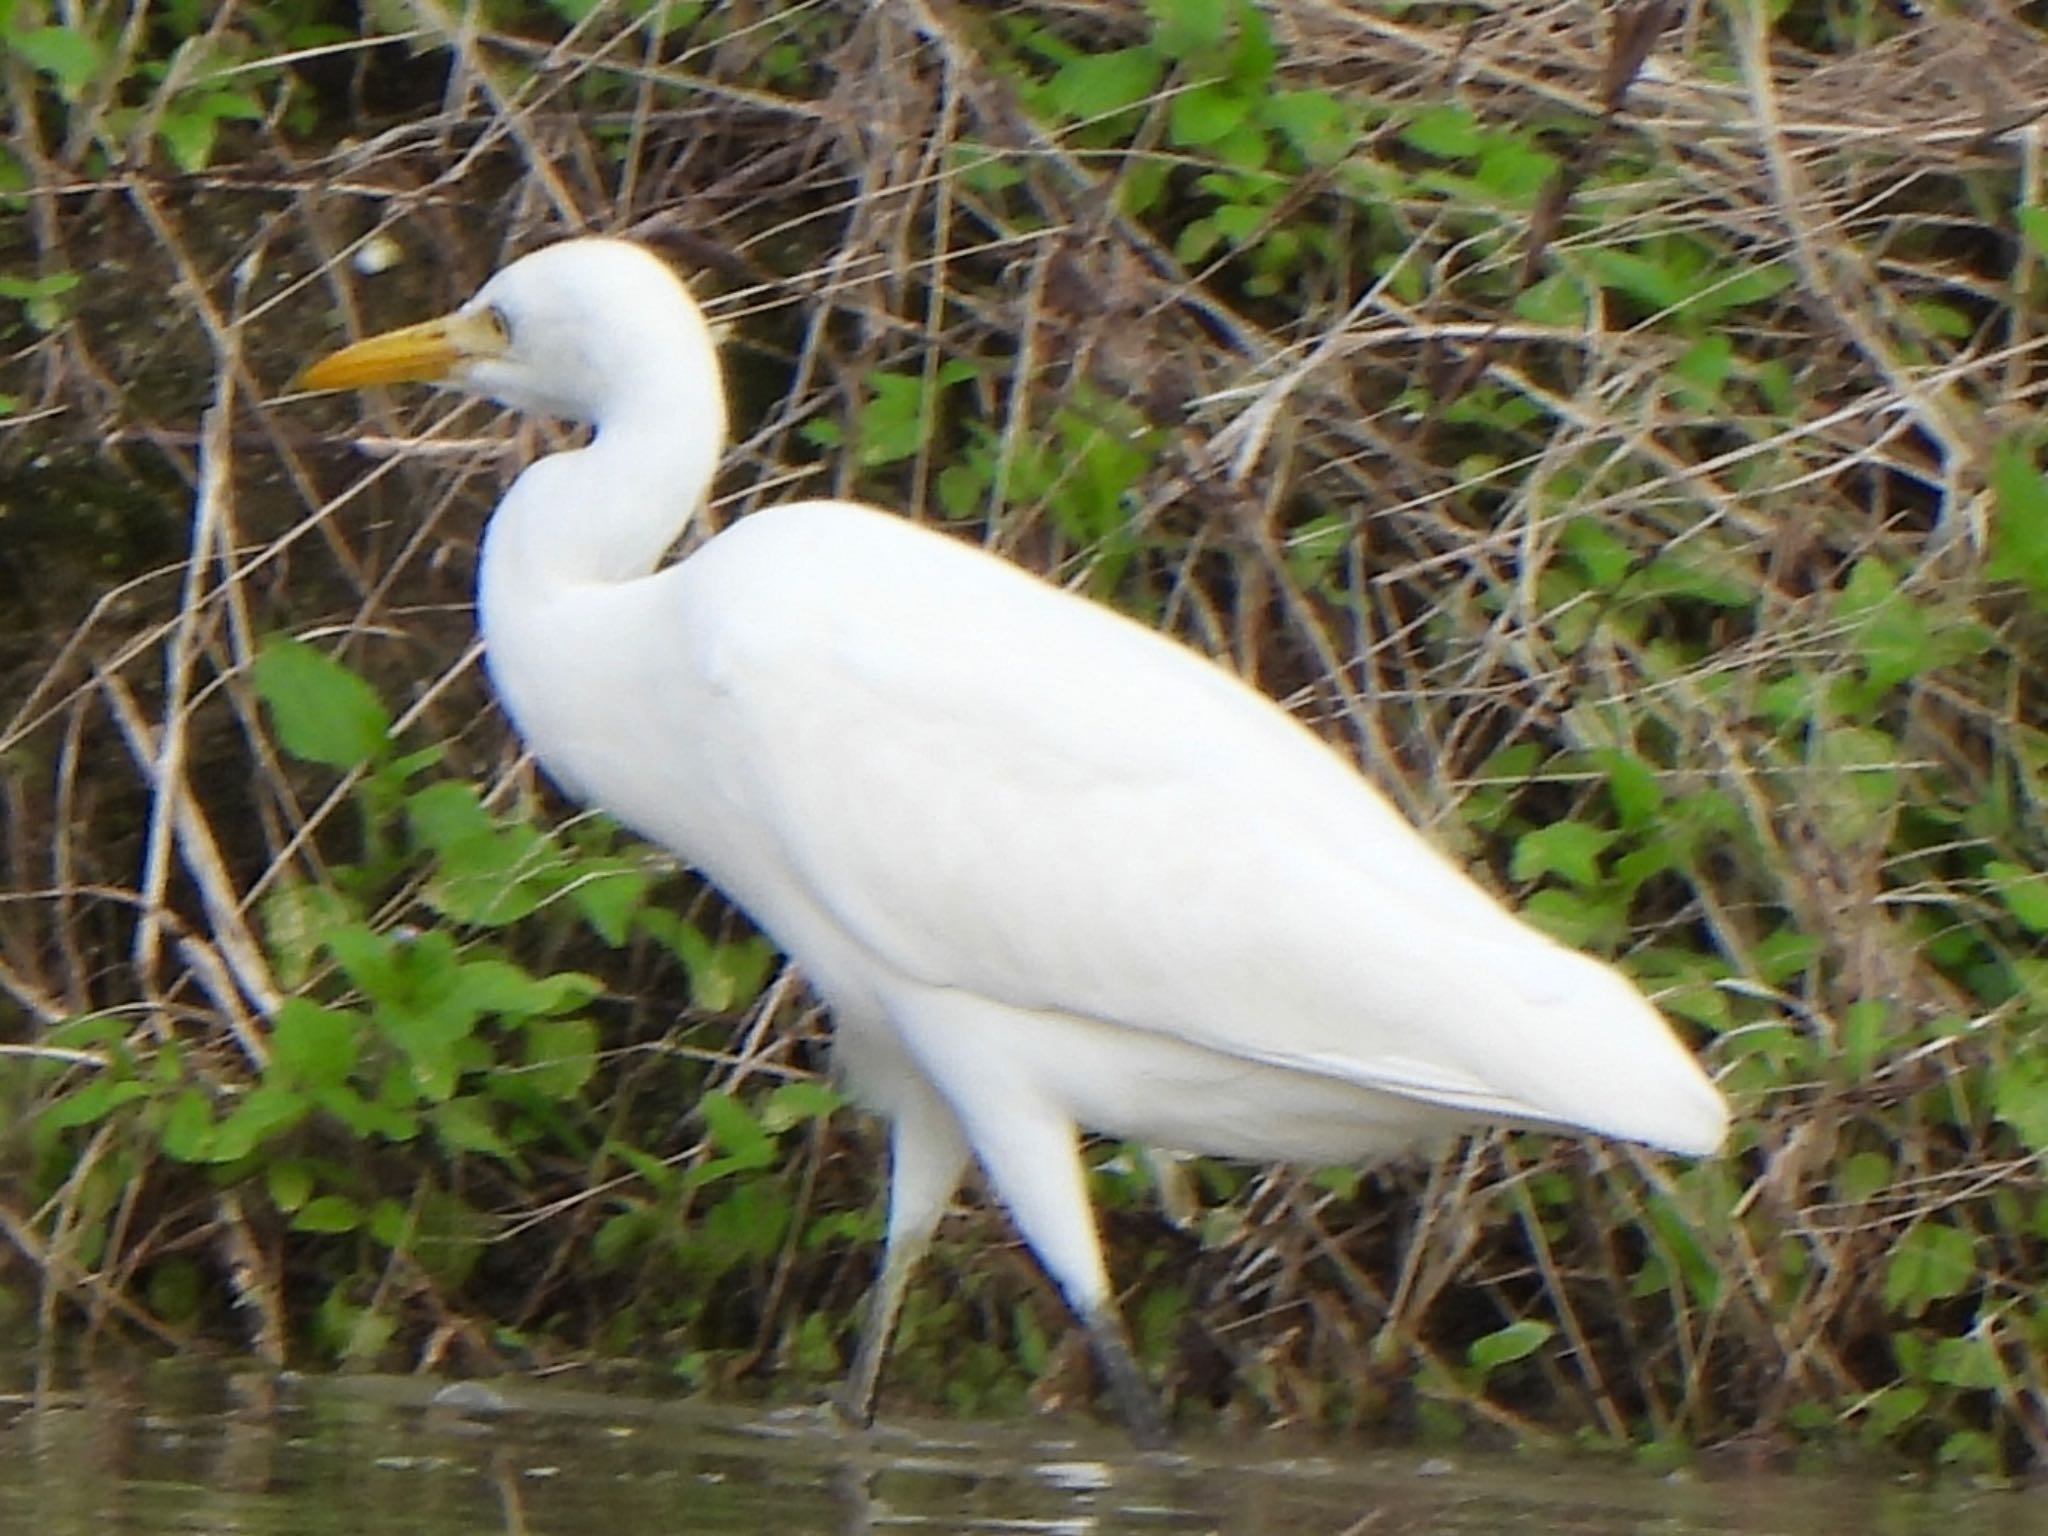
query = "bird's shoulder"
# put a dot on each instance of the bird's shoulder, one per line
(839, 555)
(847, 598)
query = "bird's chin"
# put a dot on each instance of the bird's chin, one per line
(512, 389)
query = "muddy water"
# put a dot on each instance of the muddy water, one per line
(172, 1450)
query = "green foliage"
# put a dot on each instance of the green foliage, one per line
(323, 713)
(1505, 1346)
(126, 89)
(434, 1042)
(1210, 66)
(1607, 538)
(42, 299)
(899, 416)
(65, 56)
(1083, 470)
(2019, 535)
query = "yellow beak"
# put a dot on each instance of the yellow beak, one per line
(423, 353)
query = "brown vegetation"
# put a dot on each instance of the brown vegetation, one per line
(1591, 424)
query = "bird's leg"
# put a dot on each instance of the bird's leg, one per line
(1135, 1402)
(1030, 1149)
(856, 1400)
(926, 1155)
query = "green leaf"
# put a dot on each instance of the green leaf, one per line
(189, 129)
(1717, 293)
(794, 1103)
(328, 1213)
(1448, 131)
(1890, 1409)
(498, 986)
(735, 1131)
(1680, 1239)
(1313, 549)
(1315, 123)
(355, 1333)
(1705, 367)
(1862, 765)
(1238, 222)
(50, 285)
(1572, 917)
(2019, 1093)
(1891, 629)
(188, 139)
(1568, 848)
(323, 712)
(1184, 27)
(188, 1128)
(608, 892)
(1930, 1263)
(722, 976)
(2034, 225)
(1942, 319)
(658, 1174)
(1780, 957)
(266, 1111)
(41, 298)
(1632, 785)
(92, 1103)
(748, 1223)
(464, 1125)
(1973, 1449)
(2019, 531)
(1717, 577)
(623, 1236)
(1968, 1362)
(368, 958)
(290, 1183)
(1203, 114)
(314, 1045)
(1556, 299)
(1193, 244)
(560, 1056)
(1514, 171)
(494, 875)
(1865, 1026)
(1599, 551)
(1097, 85)
(1651, 283)
(297, 918)
(2022, 892)
(365, 1117)
(1252, 60)
(447, 814)
(68, 56)
(1517, 1341)
(894, 422)
(1863, 1176)
(1140, 186)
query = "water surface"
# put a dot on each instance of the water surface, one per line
(171, 1449)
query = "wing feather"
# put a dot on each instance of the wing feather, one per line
(993, 786)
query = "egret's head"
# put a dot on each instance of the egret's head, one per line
(576, 329)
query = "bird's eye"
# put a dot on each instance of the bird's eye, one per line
(494, 317)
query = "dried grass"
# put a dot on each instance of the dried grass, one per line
(147, 811)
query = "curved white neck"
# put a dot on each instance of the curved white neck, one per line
(606, 513)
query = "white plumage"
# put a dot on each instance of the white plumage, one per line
(1047, 869)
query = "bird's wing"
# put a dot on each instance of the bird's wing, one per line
(992, 786)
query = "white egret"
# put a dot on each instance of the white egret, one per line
(1048, 870)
